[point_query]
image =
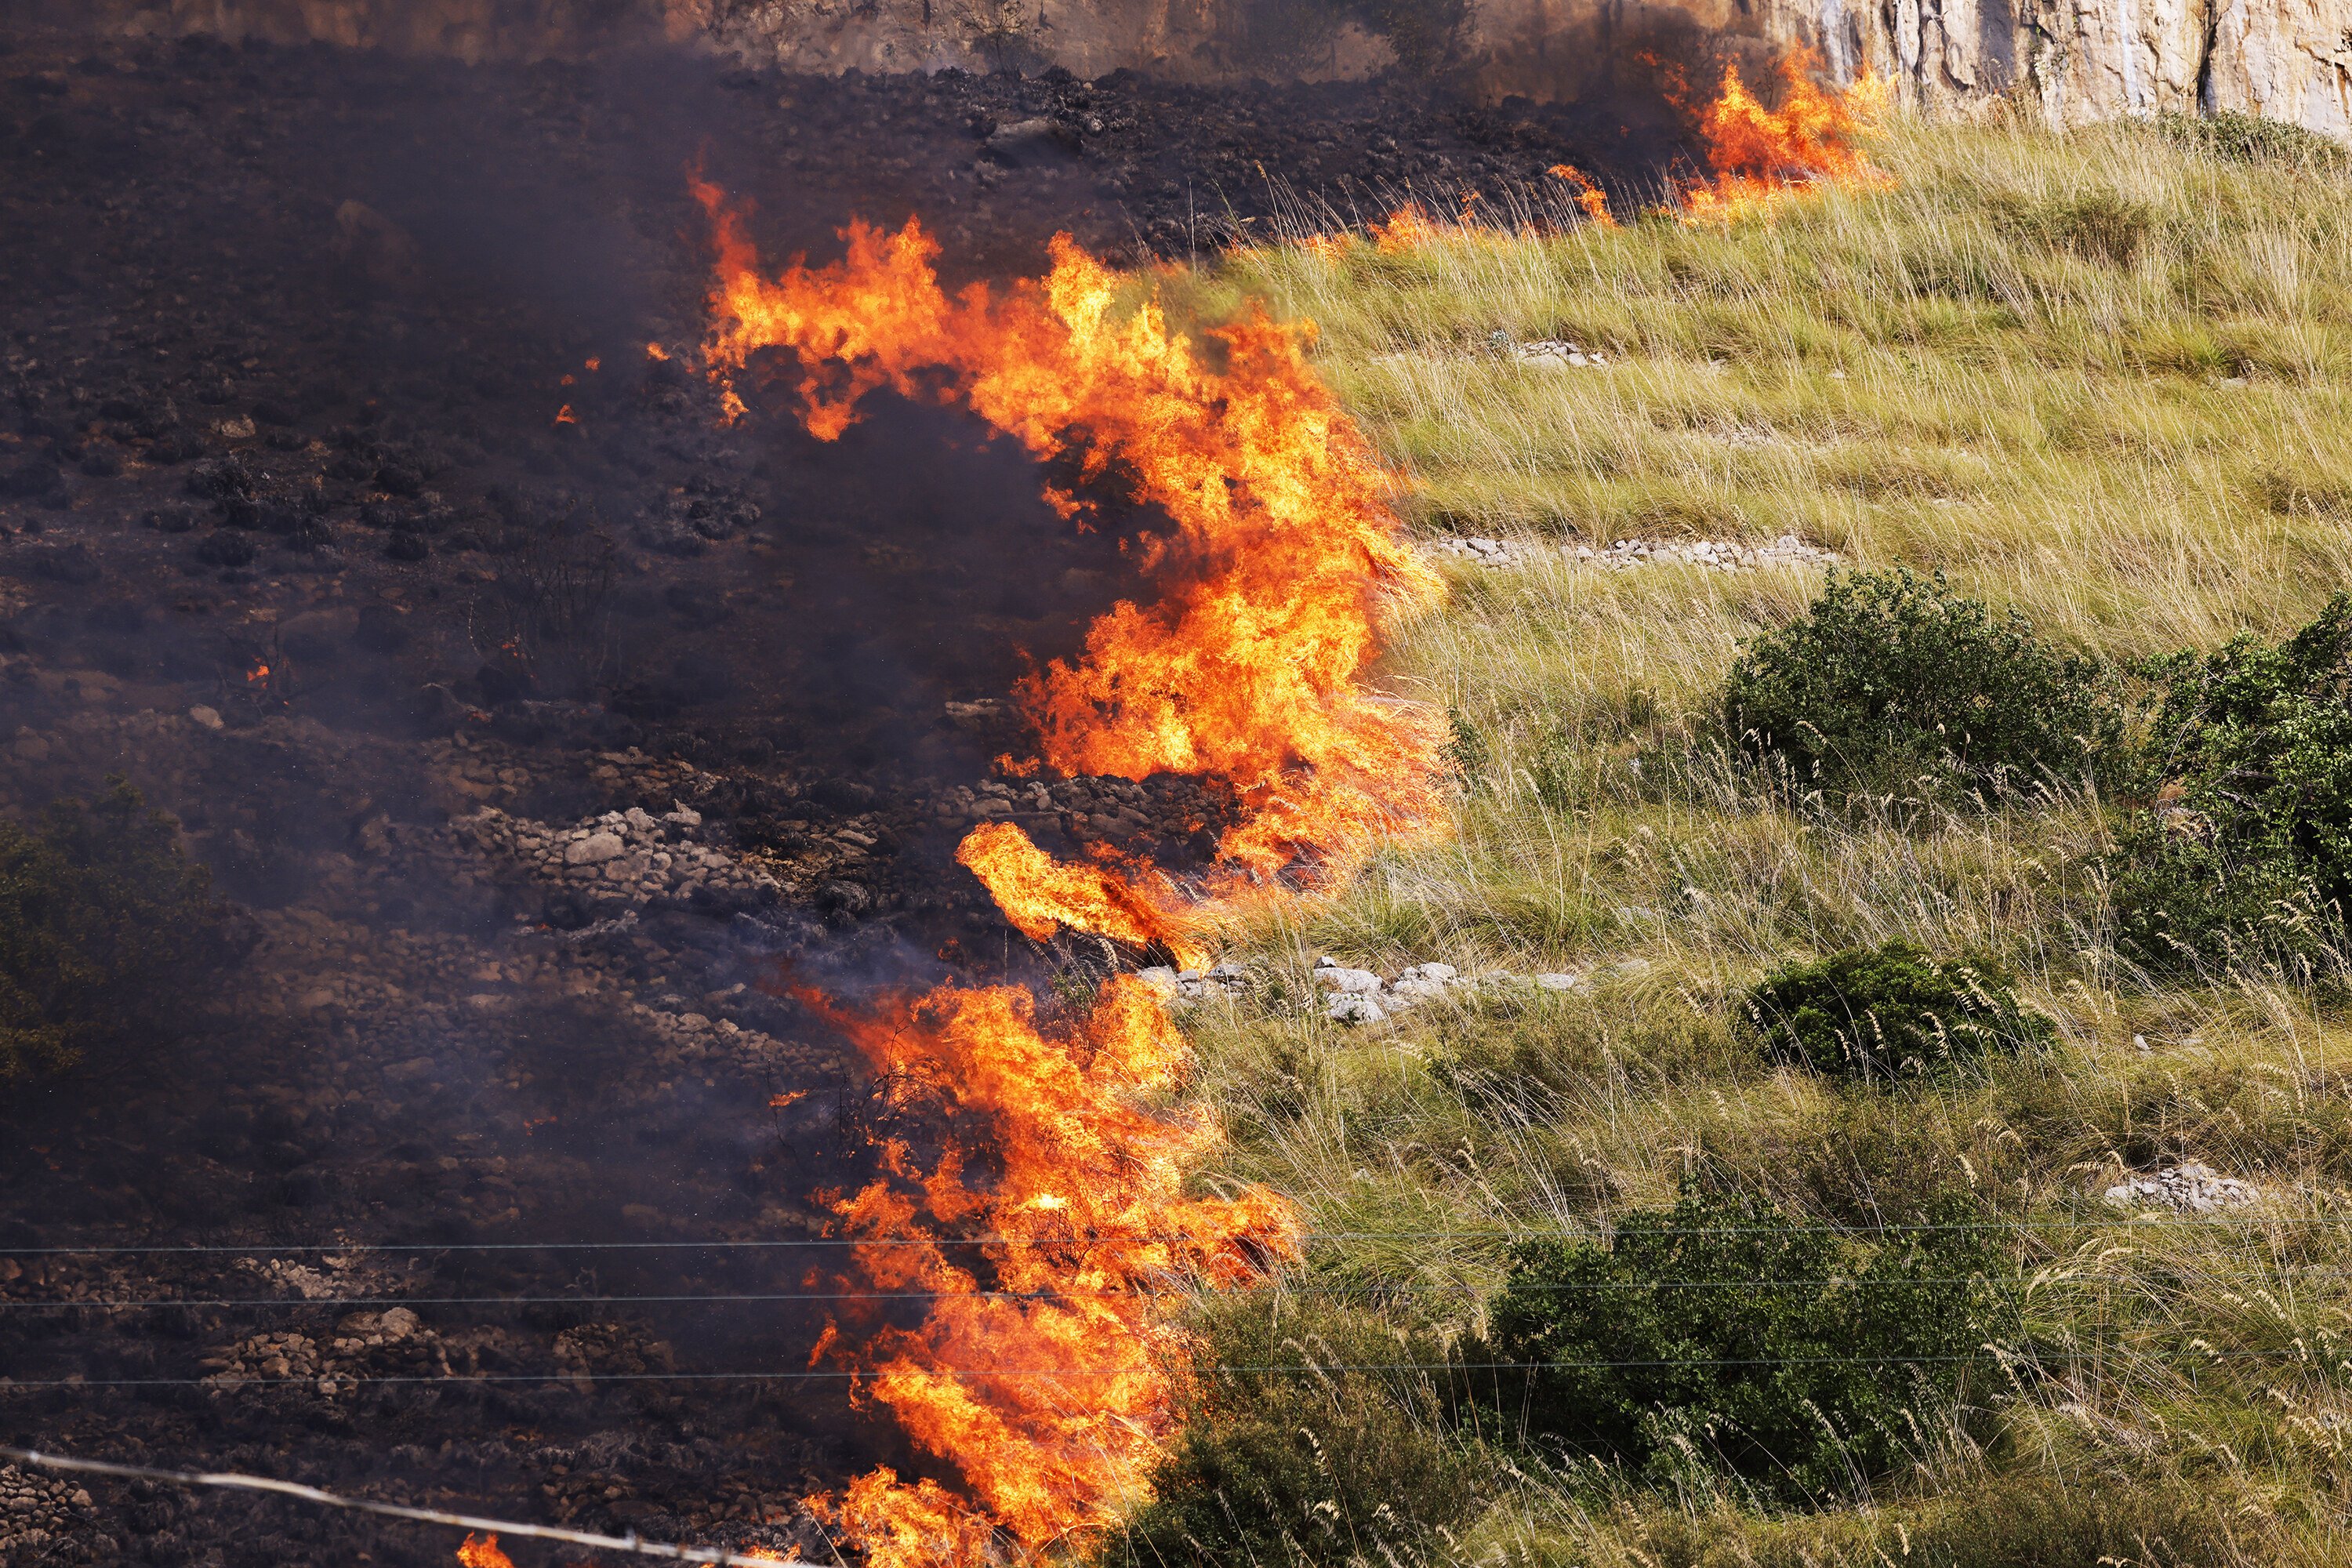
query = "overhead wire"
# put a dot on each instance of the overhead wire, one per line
(1595, 1233)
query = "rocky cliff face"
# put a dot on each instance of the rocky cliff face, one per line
(2079, 60)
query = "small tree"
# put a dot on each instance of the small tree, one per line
(1892, 681)
(1885, 1012)
(1722, 1336)
(104, 927)
(2246, 772)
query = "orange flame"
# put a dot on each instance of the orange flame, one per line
(258, 676)
(1088, 1239)
(564, 415)
(1040, 894)
(1286, 565)
(1759, 157)
(655, 351)
(482, 1552)
(1407, 226)
(1590, 196)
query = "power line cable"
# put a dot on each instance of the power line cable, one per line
(230, 1380)
(1597, 1233)
(1050, 1294)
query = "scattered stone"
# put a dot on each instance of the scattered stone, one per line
(1485, 551)
(1725, 555)
(1354, 1007)
(48, 1519)
(594, 849)
(2186, 1189)
(1626, 555)
(1332, 976)
(1557, 354)
(209, 717)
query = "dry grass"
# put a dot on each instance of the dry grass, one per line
(2102, 377)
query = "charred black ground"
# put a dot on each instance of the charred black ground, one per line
(537, 725)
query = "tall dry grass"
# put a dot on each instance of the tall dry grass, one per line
(2105, 376)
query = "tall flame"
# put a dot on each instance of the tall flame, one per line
(1068, 1302)
(1047, 1369)
(1757, 157)
(1284, 567)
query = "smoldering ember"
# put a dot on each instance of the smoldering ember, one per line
(732, 754)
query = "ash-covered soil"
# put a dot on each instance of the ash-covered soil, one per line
(541, 731)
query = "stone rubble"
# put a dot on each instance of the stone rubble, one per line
(48, 1519)
(1625, 555)
(1355, 996)
(1362, 997)
(1557, 354)
(622, 859)
(393, 1342)
(1196, 985)
(2189, 1188)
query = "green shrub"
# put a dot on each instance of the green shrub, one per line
(1319, 1462)
(1889, 1012)
(1893, 679)
(2236, 138)
(2246, 766)
(2097, 225)
(1722, 1337)
(104, 925)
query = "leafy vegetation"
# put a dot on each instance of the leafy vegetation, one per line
(104, 927)
(2249, 762)
(1890, 1011)
(2237, 138)
(1721, 1334)
(1892, 681)
(1302, 1456)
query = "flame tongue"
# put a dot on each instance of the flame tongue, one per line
(1040, 894)
(1285, 564)
(1088, 1233)
(1758, 155)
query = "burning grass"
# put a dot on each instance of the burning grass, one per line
(1964, 369)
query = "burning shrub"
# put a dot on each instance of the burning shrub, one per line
(1882, 1012)
(1893, 680)
(1722, 1336)
(2247, 836)
(104, 925)
(1306, 1460)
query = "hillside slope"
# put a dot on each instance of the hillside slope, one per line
(2104, 378)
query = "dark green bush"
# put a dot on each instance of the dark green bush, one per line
(2236, 138)
(1318, 1463)
(1893, 681)
(104, 927)
(1890, 1011)
(2097, 225)
(1725, 1337)
(2246, 839)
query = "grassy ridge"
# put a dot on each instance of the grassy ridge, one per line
(2105, 377)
